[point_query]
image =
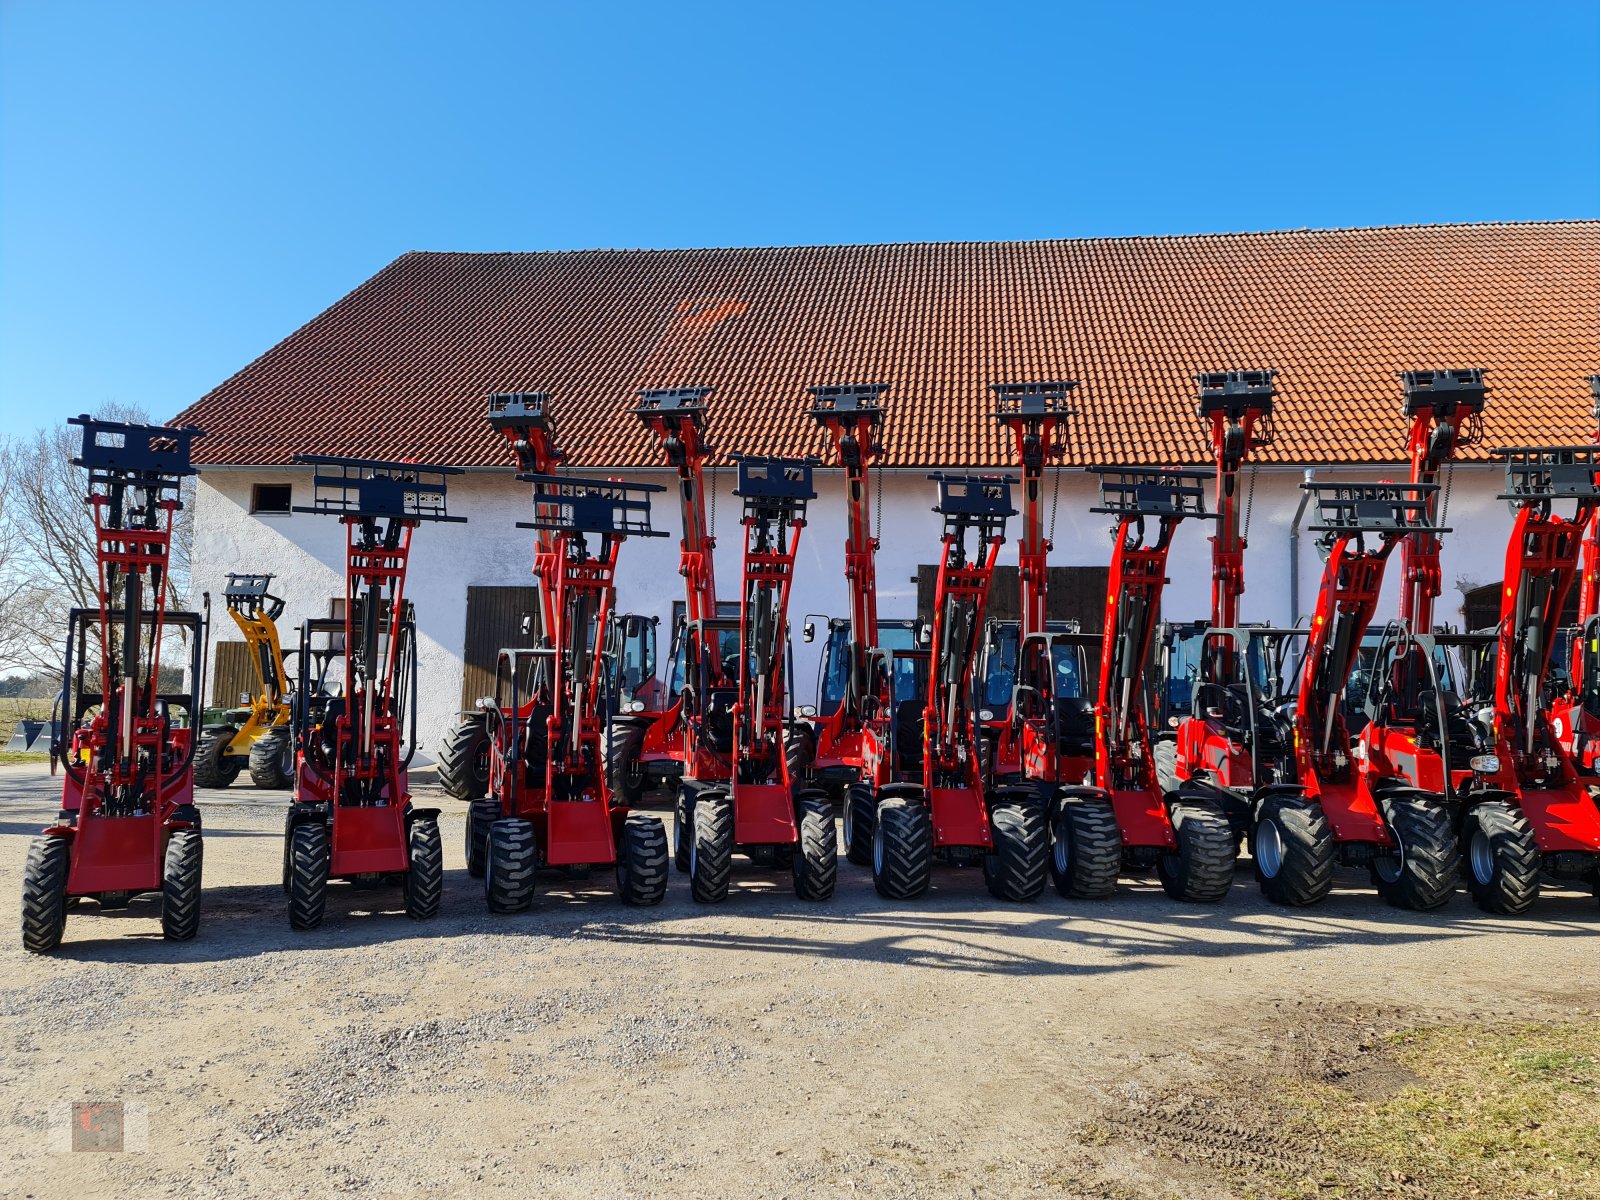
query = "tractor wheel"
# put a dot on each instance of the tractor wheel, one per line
(309, 857)
(180, 886)
(272, 759)
(1421, 872)
(642, 861)
(860, 815)
(1085, 849)
(1502, 859)
(44, 893)
(902, 849)
(1201, 870)
(481, 813)
(464, 760)
(624, 774)
(1164, 757)
(800, 749)
(683, 826)
(711, 852)
(424, 881)
(508, 871)
(1017, 868)
(816, 864)
(214, 767)
(1291, 846)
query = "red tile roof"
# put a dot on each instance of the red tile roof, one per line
(400, 366)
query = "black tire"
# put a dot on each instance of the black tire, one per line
(180, 885)
(800, 751)
(213, 766)
(642, 861)
(1017, 868)
(711, 854)
(508, 875)
(1291, 846)
(1085, 849)
(481, 814)
(624, 775)
(309, 858)
(1426, 869)
(44, 893)
(1164, 757)
(683, 826)
(902, 849)
(464, 759)
(272, 759)
(1502, 859)
(424, 881)
(860, 815)
(816, 864)
(1201, 870)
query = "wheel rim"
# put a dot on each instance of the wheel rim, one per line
(1060, 851)
(1269, 848)
(1392, 865)
(694, 854)
(1481, 852)
(877, 848)
(849, 820)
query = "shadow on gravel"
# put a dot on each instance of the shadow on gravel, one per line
(956, 927)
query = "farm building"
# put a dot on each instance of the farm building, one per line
(401, 366)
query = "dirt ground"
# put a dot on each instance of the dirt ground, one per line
(952, 1047)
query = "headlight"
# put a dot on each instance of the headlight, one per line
(634, 706)
(986, 714)
(1485, 764)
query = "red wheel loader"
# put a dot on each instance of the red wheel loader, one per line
(825, 747)
(355, 728)
(125, 740)
(549, 805)
(1361, 808)
(727, 726)
(1127, 820)
(1576, 715)
(920, 749)
(1529, 809)
(1229, 740)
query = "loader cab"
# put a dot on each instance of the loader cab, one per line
(902, 676)
(833, 674)
(631, 663)
(1054, 689)
(1417, 692)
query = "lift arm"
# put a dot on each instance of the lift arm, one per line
(379, 503)
(1360, 524)
(775, 492)
(677, 417)
(853, 416)
(1446, 412)
(524, 420)
(1238, 406)
(974, 507)
(1035, 413)
(1589, 581)
(1541, 565)
(1135, 496)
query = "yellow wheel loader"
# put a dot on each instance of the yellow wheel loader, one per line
(256, 734)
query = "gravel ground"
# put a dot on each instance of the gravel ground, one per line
(952, 1047)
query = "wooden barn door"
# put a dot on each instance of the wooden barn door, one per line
(494, 623)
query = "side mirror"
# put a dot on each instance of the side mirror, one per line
(925, 635)
(808, 632)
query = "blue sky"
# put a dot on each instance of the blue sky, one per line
(182, 184)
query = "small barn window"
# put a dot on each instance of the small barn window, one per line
(270, 498)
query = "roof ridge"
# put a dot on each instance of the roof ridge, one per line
(1145, 238)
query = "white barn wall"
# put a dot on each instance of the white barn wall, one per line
(306, 553)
